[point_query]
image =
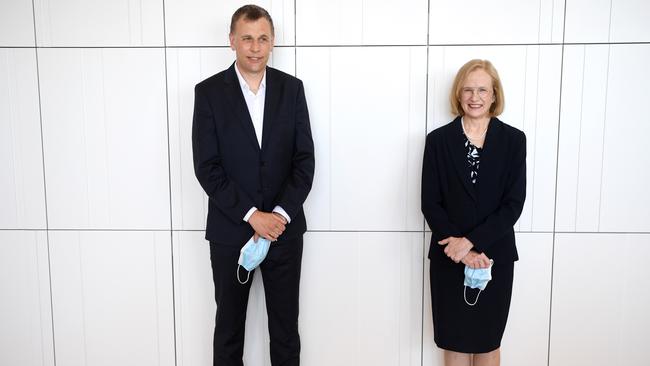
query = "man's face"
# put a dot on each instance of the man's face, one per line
(252, 41)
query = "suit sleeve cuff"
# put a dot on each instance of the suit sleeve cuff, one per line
(250, 213)
(475, 242)
(282, 212)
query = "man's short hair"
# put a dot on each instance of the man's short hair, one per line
(251, 13)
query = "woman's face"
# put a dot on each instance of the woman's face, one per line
(477, 94)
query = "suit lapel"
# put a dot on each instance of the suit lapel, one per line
(492, 154)
(458, 151)
(238, 103)
(271, 104)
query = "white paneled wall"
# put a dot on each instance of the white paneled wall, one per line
(112, 297)
(16, 23)
(194, 295)
(21, 158)
(359, 22)
(624, 199)
(102, 255)
(601, 182)
(26, 308)
(579, 171)
(595, 21)
(526, 338)
(99, 23)
(105, 138)
(495, 22)
(207, 23)
(350, 100)
(378, 277)
(600, 300)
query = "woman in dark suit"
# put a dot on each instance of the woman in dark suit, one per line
(473, 191)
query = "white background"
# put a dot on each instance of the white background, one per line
(102, 256)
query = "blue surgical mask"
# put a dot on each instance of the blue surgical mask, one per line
(477, 278)
(251, 255)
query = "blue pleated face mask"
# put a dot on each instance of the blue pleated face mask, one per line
(251, 255)
(477, 278)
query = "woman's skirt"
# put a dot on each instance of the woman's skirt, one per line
(460, 327)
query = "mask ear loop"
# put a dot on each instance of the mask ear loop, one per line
(465, 296)
(248, 275)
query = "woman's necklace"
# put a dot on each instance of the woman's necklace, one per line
(462, 122)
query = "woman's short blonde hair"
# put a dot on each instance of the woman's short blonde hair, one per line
(454, 97)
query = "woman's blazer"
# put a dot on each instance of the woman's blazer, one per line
(486, 211)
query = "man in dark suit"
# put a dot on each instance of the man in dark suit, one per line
(254, 157)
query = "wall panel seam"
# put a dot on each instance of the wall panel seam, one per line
(169, 183)
(353, 45)
(557, 165)
(602, 156)
(47, 233)
(535, 124)
(582, 100)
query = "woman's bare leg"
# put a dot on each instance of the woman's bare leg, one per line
(457, 359)
(488, 359)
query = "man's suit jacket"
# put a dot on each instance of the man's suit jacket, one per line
(486, 211)
(231, 167)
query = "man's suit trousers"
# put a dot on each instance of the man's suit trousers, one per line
(281, 279)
